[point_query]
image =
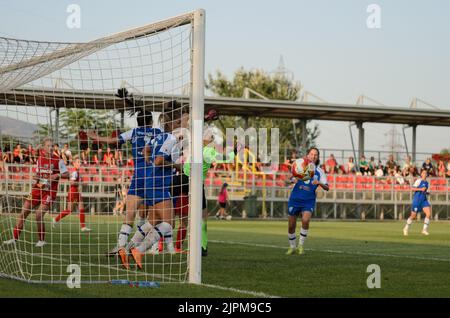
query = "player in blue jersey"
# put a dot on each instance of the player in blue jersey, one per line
(303, 200)
(138, 137)
(163, 154)
(420, 203)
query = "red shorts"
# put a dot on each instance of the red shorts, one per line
(38, 196)
(73, 197)
(182, 206)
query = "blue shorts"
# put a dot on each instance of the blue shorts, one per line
(153, 196)
(295, 208)
(417, 207)
(137, 186)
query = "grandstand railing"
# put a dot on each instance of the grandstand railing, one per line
(99, 189)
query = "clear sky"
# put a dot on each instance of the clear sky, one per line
(325, 43)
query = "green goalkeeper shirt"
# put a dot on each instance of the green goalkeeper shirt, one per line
(209, 156)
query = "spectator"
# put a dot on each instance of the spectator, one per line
(108, 157)
(372, 166)
(379, 172)
(448, 168)
(121, 195)
(17, 154)
(97, 157)
(223, 201)
(2, 163)
(331, 165)
(441, 169)
(83, 139)
(398, 176)
(350, 166)
(56, 151)
(116, 145)
(7, 156)
(289, 162)
(85, 156)
(363, 166)
(390, 165)
(119, 157)
(66, 154)
(30, 155)
(428, 166)
(407, 164)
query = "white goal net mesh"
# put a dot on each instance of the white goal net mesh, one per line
(92, 156)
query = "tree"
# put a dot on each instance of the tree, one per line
(271, 87)
(72, 120)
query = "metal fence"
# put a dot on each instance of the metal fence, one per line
(350, 196)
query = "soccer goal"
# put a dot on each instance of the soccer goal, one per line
(73, 127)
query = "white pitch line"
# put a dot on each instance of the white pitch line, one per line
(247, 292)
(252, 293)
(336, 251)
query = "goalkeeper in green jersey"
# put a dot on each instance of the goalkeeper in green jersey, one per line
(209, 157)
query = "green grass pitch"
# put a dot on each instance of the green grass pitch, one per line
(247, 259)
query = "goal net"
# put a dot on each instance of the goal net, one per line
(93, 139)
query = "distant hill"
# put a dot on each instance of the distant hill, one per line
(17, 128)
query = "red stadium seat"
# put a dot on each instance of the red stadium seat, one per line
(96, 178)
(434, 181)
(340, 186)
(341, 179)
(218, 182)
(442, 188)
(85, 178)
(269, 183)
(281, 184)
(368, 186)
(349, 179)
(208, 182)
(387, 187)
(83, 170)
(359, 186)
(108, 178)
(349, 185)
(369, 179)
(330, 178)
(379, 187)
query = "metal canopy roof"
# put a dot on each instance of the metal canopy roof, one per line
(61, 98)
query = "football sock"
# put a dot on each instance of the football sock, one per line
(62, 215)
(292, 238)
(303, 235)
(426, 223)
(141, 221)
(141, 232)
(408, 223)
(151, 238)
(16, 233)
(125, 231)
(82, 218)
(204, 235)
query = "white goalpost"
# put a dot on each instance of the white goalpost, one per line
(91, 104)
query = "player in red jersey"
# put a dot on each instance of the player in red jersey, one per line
(50, 168)
(74, 197)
